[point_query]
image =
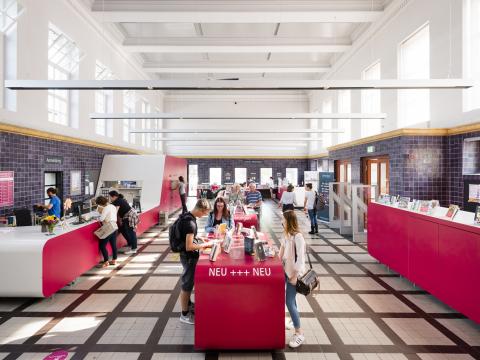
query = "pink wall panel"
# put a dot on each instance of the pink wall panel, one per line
(174, 167)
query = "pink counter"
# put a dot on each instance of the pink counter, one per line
(239, 303)
(440, 256)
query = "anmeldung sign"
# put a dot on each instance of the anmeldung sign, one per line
(53, 160)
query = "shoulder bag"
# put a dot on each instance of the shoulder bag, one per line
(308, 281)
(106, 230)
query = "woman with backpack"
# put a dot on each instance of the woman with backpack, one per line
(309, 205)
(219, 215)
(292, 253)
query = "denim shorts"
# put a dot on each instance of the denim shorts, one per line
(189, 264)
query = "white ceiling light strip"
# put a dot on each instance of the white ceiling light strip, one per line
(236, 131)
(289, 146)
(266, 116)
(262, 84)
(234, 140)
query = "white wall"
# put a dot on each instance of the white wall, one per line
(256, 102)
(32, 63)
(148, 169)
(445, 105)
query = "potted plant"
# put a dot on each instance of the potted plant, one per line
(50, 222)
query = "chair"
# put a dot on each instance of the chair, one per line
(23, 216)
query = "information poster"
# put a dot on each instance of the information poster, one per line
(6, 188)
(325, 179)
(474, 193)
(75, 182)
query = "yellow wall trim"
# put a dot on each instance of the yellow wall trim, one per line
(13, 129)
(409, 132)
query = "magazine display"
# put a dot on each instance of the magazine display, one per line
(403, 202)
(477, 215)
(424, 206)
(452, 211)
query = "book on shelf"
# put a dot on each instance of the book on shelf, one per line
(424, 206)
(403, 202)
(452, 211)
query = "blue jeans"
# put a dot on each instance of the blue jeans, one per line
(112, 239)
(312, 214)
(290, 300)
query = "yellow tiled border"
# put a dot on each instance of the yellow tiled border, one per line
(19, 130)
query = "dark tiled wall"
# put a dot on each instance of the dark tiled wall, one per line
(253, 166)
(453, 164)
(26, 157)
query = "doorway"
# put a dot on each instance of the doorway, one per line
(343, 171)
(376, 171)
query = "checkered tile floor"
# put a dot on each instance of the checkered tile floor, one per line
(363, 311)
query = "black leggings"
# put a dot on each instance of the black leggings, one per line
(129, 234)
(183, 197)
(112, 239)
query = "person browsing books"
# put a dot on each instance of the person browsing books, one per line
(236, 197)
(253, 197)
(219, 215)
(189, 256)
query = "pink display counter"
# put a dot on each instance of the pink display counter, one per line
(439, 255)
(239, 302)
(247, 219)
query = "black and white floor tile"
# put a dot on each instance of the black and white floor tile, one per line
(362, 311)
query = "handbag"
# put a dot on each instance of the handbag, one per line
(308, 281)
(106, 230)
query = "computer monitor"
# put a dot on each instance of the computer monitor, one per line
(77, 209)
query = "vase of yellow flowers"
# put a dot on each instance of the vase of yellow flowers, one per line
(50, 222)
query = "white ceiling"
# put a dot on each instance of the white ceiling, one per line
(236, 37)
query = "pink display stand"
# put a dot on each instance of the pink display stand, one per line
(440, 256)
(239, 302)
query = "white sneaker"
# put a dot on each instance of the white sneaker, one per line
(296, 341)
(288, 324)
(130, 251)
(123, 249)
(187, 319)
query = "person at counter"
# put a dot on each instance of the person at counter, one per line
(189, 257)
(271, 185)
(54, 206)
(288, 199)
(219, 215)
(127, 220)
(236, 197)
(108, 213)
(292, 253)
(253, 197)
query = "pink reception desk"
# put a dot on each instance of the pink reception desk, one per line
(239, 302)
(439, 255)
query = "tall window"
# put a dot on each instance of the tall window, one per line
(63, 61)
(240, 175)
(145, 110)
(103, 101)
(471, 97)
(344, 107)
(215, 176)
(414, 63)
(327, 123)
(371, 101)
(128, 107)
(292, 176)
(10, 10)
(265, 174)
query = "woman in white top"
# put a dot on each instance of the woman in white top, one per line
(292, 253)
(288, 199)
(108, 214)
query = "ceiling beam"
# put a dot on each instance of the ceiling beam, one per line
(219, 116)
(262, 84)
(236, 45)
(233, 68)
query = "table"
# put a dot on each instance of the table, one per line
(247, 217)
(441, 256)
(41, 265)
(239, 302)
